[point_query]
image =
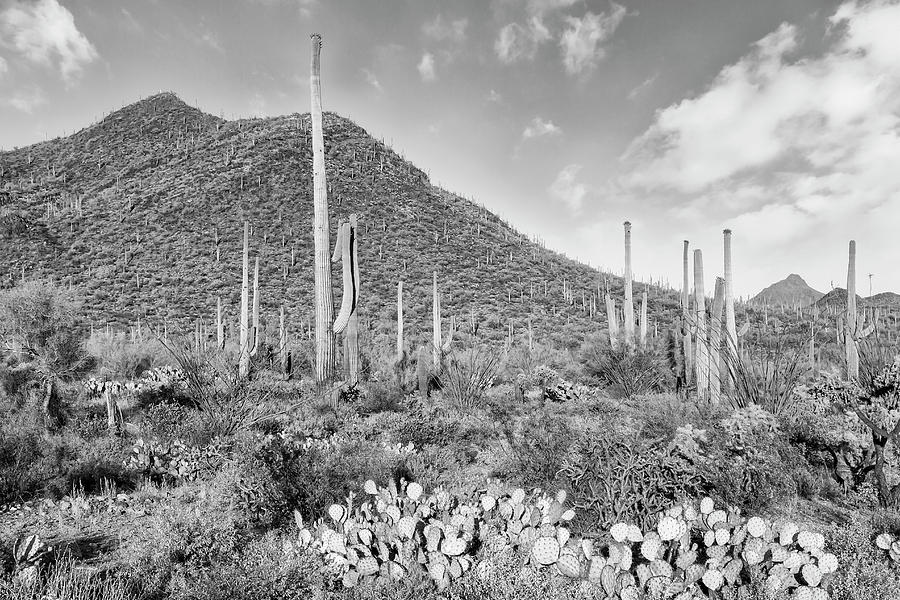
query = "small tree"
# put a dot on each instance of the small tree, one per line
(40, 330)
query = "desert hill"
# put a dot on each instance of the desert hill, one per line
(789, 291)
(142, 214)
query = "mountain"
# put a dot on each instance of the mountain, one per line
(838, 297)
(789, 291)
(128, 211)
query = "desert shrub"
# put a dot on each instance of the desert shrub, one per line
(749, 462)
(64, 581)
(380, 397)
(468, 376)
(767, 378)
(118, 357)
(227, 402)
(246, 489)
(866, 573)
(168, 421)
(626, 372)
(537, 447)
(259, 571)
(41, 329)
(614, 479)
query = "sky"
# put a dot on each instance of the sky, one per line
(778, 120)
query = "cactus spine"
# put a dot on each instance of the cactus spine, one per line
(244, 361)
(321, 232)
(628, 307)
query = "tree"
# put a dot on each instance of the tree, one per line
(40, 331)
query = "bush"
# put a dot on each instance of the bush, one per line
(627, 372)
(613, 479)
(537, 449)
(468, 376)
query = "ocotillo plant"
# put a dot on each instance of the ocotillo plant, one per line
(321, 227)
(347, 319)
(628, 306)
(244, 361)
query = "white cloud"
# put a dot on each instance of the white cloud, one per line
(426, 67)
(4, 67)
(540, 7)
(791, 151)
(44, 32)
(638, 89)
(567, 189)
(372, 80)
(582, 40)
(540, 128)
(441, 30)
(520, 42)
(210, 38)
(495, 97)
(25, 99)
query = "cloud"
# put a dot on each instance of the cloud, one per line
(796, 152)
(305, 6)
(372, 80)
(44, 32)
(26, 99)
(5, 67)
(494, 97)
(639, 89)
(582, 40)
(210, 38)
(426, 67)
(539, 7)
(540, 128)
(567, 189)
(441, 30)
(520, 42)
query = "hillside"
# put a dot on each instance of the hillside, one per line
(789, 291)
(128, 211)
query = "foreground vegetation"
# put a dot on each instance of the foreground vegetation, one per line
(209, 485)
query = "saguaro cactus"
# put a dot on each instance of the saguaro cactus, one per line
(715, 342)
(347, 319)
(283, 351)
(401, 352)
(854, 324)
(254, 345)
(628, 307)
(321, 232)
(685, 331)
(730, 326)
(220, 325)
(644, 320)
(244, 361)
(612, 322)
(701, 358)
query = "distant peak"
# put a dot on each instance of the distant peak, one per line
(794, 278)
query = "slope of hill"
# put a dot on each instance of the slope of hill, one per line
(789, 291)
(142, 213)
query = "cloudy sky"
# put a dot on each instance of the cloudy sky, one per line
(566, 117)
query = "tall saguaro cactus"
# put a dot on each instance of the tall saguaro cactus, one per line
(401, 353)
(854, 323)
(715, 342)
(220, 325)
(730, 326)
(702, 354)
(436, 324)
(254, 344)
(321, 232)
(244, 361)
(685, 314)
(643, 337)
(628, 306)
(283, 350)
(347, 320)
